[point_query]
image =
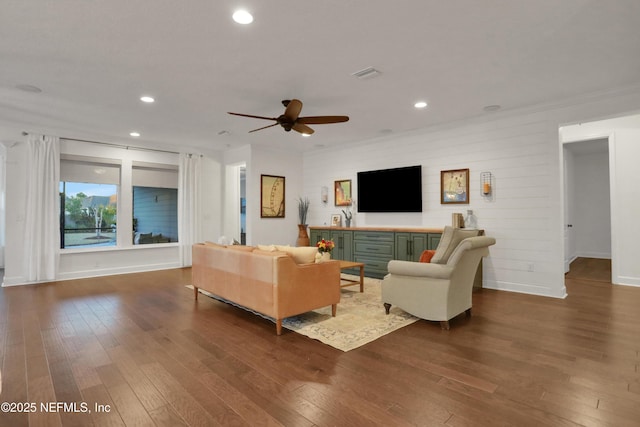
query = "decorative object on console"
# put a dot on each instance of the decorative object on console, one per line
(470, 221)
(342, 192)
(272, 196)
(303, 209)
(347, 217)
(456, 220)
(485, 183)
(454, 186)
(336, 220)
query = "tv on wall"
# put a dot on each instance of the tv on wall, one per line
(390, 190)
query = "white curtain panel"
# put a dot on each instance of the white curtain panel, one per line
(188, 206)
(42, 224)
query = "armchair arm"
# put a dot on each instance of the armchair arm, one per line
(419, 269)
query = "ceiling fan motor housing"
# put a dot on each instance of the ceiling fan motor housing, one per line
(285, 122)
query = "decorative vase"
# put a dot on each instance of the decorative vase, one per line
(323, 256)
(347, 222)
(470, 221)
(303, 237)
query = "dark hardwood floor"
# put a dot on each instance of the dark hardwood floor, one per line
(142, 348)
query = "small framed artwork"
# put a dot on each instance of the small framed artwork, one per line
(454, 186)
(343, 192)
(271, 196)
(336, 220)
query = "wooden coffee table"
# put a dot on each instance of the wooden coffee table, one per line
(345, 265)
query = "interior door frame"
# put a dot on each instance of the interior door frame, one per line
(610, 137)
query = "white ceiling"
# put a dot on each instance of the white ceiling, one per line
(94, 59)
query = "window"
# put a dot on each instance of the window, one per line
(88, 203)
(155, 203)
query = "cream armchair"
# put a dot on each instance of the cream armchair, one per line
(432, 291)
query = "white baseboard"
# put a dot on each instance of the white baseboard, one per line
(524, 288)
(598, 255)
(18, 281)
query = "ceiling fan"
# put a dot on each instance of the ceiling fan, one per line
(291, 120)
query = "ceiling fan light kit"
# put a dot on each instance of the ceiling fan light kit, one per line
(291, 119)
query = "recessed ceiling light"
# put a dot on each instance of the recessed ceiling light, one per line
(420, 104)
(29, 88)
(306, 135)
(135, 134)
(241, 16)
(147, 99)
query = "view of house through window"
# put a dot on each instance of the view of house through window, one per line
(87, 214)
(155, 203)
(155, 215)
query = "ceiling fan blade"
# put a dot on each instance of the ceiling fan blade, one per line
(293, 110)
(302, 128)
(255, 117)
(322, 120)
(270, 126)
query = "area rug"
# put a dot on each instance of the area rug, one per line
(360, 318)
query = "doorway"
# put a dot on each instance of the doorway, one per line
(587, 201)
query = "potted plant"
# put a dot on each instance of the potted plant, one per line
(303, 210)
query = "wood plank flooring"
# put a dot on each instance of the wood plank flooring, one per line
(143, 349)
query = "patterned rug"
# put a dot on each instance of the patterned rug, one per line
(360, 318)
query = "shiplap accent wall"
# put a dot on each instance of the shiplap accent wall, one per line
(518, 152)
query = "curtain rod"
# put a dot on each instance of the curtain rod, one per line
(111, 144)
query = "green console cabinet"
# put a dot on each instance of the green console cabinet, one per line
(375, 247)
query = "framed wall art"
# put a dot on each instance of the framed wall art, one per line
(336, 220)
(271, 196)
(342, 192)
(454, 186)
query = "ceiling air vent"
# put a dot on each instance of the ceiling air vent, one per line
(367, 73)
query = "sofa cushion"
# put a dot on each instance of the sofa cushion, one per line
(268, 248)
(258, 251)
(451, 237)
(302, 254)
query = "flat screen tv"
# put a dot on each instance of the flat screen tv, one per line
(390, 190)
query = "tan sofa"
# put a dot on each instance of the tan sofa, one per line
(269, 282)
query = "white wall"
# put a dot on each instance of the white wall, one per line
(523, 152)
(281, 163)
(263, 161)
(3, 185)
(624, 152)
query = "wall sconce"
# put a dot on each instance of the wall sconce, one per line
(324, 194)
(485, 183)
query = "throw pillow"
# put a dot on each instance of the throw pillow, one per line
(427, 255)
(268, 248)
(302, 254)
(450, 239)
